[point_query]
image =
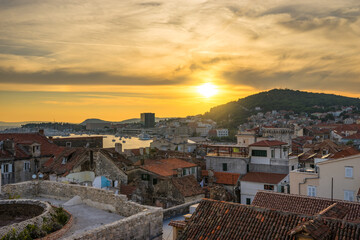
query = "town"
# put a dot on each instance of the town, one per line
(296, 173)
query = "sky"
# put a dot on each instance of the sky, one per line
(68, 60)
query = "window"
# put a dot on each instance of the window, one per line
(349, 195)
(248, 201)
(192, 170)
(224, 167)
(27, 166)
(145, 177)
(184, 172)
(349, 172)
(311, 191)
(259, 153)
(68, 144)
(64, 160)
(6, 168)
(154, 181)
(272, 153)
(292, 168)
(282, 189)
(269, 187)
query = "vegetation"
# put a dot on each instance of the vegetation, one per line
(232, 114)
(55, 125)
(57, 221)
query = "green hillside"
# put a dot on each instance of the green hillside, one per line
(234, 113)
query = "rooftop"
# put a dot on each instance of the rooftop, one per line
(187, 186)
(223, 220)
(302, 204)
(260, 177)
(166, 167)
(268, 143)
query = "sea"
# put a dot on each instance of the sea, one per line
(130, 143)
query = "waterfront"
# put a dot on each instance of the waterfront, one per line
(130, 143)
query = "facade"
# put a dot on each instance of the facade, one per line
(222, 132)
(334, 179)
(23, 154)
(148, 120)
(270, 156)
(253, 182)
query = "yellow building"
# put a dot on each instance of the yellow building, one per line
(334, 178)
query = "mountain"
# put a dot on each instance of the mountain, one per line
(234, 113)
(93, 120)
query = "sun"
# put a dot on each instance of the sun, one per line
(207, 90)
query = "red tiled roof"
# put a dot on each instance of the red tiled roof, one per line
(345, 153)
(223, 177)
(187, 186)
(166, 167)
(268, 143)
(74, 158)
(178, 224)
(302, 204)
(260, 177)
(47, 148)
(224, 220)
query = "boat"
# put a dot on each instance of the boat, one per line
(124, 141)
(113, 140)
(144, 136)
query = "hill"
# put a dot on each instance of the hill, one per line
(234, 113)
(93, 120)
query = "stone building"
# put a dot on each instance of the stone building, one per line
(23, 154)
(88, 142)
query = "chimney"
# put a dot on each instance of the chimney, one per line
(41, 132)
(118, 147)
(141, 150)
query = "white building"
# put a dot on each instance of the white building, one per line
(222, 132)
(252, 182)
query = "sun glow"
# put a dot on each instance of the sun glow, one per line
(207, 90)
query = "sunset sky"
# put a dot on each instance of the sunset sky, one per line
(71, 60)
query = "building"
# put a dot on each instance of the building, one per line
(252, 182)
(336, 178)
(223, 220)
(147, 120)
(83, 165)
(23, 154)
(88, 142)
(270, 156)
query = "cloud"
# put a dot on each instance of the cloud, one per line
(305, 78)
(59, 77)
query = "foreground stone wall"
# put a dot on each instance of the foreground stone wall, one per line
(179, 210)
(38, 220)
(141, 222)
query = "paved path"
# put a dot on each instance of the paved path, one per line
(85, 217)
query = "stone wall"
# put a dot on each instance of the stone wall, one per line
(141, 222)
(178, 210)
(38, 220)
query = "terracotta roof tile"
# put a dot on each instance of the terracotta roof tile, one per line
(223, 177)
(260, 177)
(303, 204)
(223, 220)
(345, 153)
(166, 167)
(187, 186)
(268, 143)
(47, 148)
